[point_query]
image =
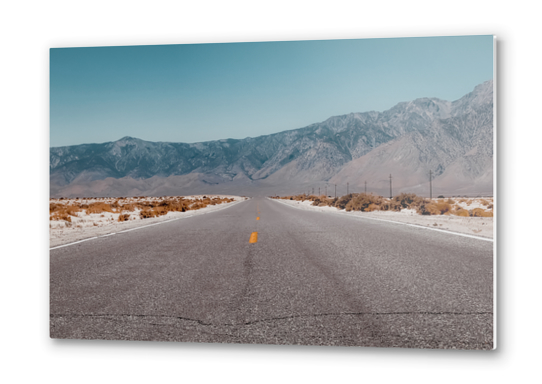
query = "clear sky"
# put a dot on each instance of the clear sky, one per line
(201, 92)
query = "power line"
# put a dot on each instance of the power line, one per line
(430, 185)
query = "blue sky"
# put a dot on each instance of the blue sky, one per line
(201, 92)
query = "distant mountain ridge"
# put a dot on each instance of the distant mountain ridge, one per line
(453, 139)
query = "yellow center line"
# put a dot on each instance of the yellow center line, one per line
(258, 218)
(253, 237)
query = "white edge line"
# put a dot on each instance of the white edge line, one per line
(398, 222)
(80, 241)
(149, 225)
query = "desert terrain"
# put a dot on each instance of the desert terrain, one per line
(75, 219)
(472, 216)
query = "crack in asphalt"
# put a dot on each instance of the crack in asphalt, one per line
(274, 318)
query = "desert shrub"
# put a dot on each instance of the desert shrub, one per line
(390, 205)
(461, 212)
(372, 207)
(450, 201)
(408, 200)
(147, 213)
(362, 201)
(197, 205)
(479, 212)
(440, 197)
(72, 210)
(434, 208)
(124, 217)
(343, 201)
(62, 212)
(61, 216)
(428, 209)
(98, 207)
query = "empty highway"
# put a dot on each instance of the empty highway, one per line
(264, 272)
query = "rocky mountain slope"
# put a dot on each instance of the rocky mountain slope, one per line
(453, 139)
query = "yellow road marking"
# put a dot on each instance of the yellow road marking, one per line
(257, 218)
(253, 237)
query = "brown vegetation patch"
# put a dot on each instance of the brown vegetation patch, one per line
(435, 208)
(65, 209)
(368, 202)
(479, 212)
(124, 217)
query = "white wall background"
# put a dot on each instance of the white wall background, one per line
(29, 28)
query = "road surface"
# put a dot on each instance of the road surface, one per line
(305, 277)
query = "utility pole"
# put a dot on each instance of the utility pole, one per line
(365, 186)
(430, 185)
(347, 188)
(319, 191)
(391, 195)
(335, 190)
(326, 190)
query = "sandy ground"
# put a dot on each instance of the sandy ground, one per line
(92, 225)
(477, 226)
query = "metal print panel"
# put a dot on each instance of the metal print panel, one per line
(335, 193)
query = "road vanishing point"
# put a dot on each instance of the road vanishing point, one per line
(264, 272)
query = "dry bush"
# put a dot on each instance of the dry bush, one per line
(129, 207)
(435, 208)
(365, 202)
(461, 212)
(149, 207)
(62, 212)
(390, 205)
(147, 213)
(99, 207)
(372, 207)
(450, 201)
(343, 201)
(322, 201)
(124, 217)
(409, 200)
(479, 212)
(484, 202)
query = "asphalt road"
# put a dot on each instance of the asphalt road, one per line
(311, 278)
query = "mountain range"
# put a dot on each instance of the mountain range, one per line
(452, 139)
